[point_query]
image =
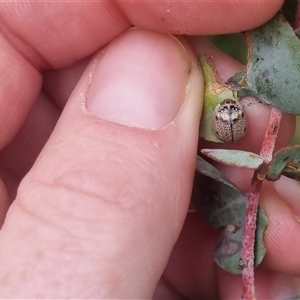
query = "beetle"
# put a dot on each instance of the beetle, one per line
(229, 121)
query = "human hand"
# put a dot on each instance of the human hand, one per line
(98, 214)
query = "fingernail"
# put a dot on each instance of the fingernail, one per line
(140, 80)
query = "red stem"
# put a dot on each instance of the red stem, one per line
(247, 256)
(268, 145)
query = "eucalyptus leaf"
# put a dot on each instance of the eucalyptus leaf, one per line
(233, 45)
(272, 74)
(285, 162)
(215, 92)
(222, 205)
(297, 32)
(236, 158)
(259, 247)
(228, 250)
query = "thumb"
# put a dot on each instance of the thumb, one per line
(99, 213)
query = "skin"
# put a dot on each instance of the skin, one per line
(101, 212)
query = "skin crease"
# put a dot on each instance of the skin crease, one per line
(70, 235)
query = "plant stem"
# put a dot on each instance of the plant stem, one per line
(268, 145)
(247, 256)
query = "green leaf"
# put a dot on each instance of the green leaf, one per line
(233, 45)
(259, 247)
(296, 137)
(228, 250)
(236, 158)
(285, 162)
(215, 92)
(223, 205)
(222, 202)
(273, 70)
(297, 32)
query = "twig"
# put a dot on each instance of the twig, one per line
(247, 256)
(268, 145)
